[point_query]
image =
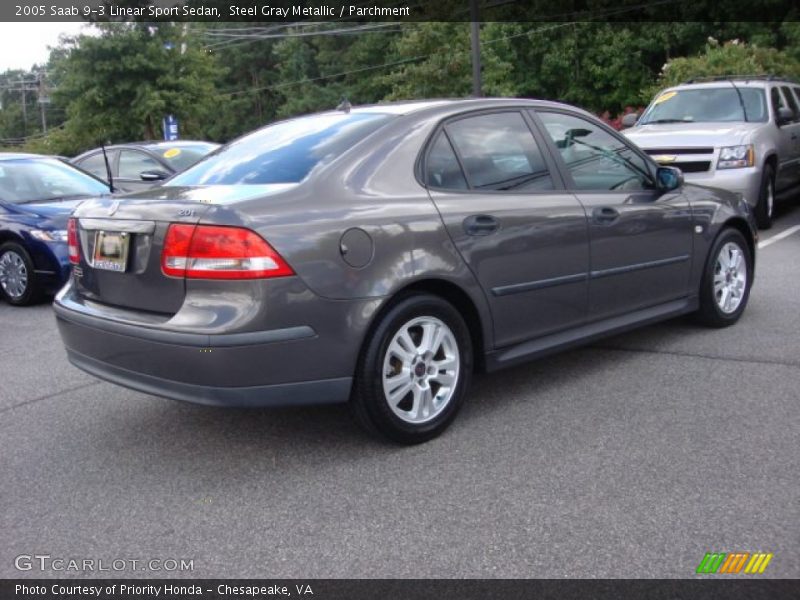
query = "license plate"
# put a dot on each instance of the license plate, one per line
(111, 251)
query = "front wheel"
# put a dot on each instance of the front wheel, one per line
(414, 371)
(727, 278)
(766, 198)
(18, 284)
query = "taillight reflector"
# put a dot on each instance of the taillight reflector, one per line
(73, 245)
(214, 252)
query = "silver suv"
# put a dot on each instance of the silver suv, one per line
(735, 133)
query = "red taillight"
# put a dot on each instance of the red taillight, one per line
(213, 252)
(72, 242)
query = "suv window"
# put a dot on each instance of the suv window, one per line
(96, 165)
(133, 162)
(441, 166)
(796, 92)
(499, 152)
(777, 100)
(790, 100)
(596, 160)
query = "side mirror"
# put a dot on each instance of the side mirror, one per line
(630, 119)
(668, 179)
(785, 115)
(153, 175)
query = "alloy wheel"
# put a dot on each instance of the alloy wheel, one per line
(420, 369)
(13, 274)
(730, 277)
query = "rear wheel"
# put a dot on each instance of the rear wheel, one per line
(18, 283)
(414, 371)
(727, 278)
(766, 198)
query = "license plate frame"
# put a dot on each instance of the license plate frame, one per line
(111, 251)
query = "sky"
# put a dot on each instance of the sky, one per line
(24, 44)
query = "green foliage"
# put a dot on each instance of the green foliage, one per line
(435, 62)
(119, 85)
(734, 57)
(224, 79)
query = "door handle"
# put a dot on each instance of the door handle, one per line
(480, 224)
(605, 214)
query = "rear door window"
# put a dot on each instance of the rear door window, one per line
(96, 164)
(498, 152)
(441, 166)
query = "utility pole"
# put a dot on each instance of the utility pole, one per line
(44, 98)
(24, 109)
(475, 42)
(26, 86)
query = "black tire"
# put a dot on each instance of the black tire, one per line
(710, 312)
(32, 292)
(369, 402)
(766, 198)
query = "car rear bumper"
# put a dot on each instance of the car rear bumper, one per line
(269, 368)
(746, 182)
(282, 394)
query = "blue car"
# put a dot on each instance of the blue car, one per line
(37, 195)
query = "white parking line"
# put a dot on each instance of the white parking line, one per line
(778, 237)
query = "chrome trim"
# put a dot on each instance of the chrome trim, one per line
(121, 225)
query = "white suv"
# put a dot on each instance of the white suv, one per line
(736, 133)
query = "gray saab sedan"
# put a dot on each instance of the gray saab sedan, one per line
(381, 254)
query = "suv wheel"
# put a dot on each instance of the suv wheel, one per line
(727, 278)
(766, 198)
(414, 371)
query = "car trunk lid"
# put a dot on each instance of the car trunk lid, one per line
(121, 242)
(133, 229)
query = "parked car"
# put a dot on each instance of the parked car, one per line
(380, 254)
(141, 165)
(737, 133)
(37, 194)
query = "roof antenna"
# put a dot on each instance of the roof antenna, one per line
(344, 105)
(108, 169)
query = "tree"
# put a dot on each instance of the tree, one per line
(434, 61)
(730, 58)
(119, 85)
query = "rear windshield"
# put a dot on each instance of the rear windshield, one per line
(285, 152)
(707, 105)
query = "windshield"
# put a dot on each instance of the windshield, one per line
(707, 105)
(44, 180)
(183, 156)
(285, 152)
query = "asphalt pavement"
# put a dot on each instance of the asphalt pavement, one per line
(629, 458)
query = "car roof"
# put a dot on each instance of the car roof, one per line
(22, 155)
(157, 143)
(411, 107)
(728, 83)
